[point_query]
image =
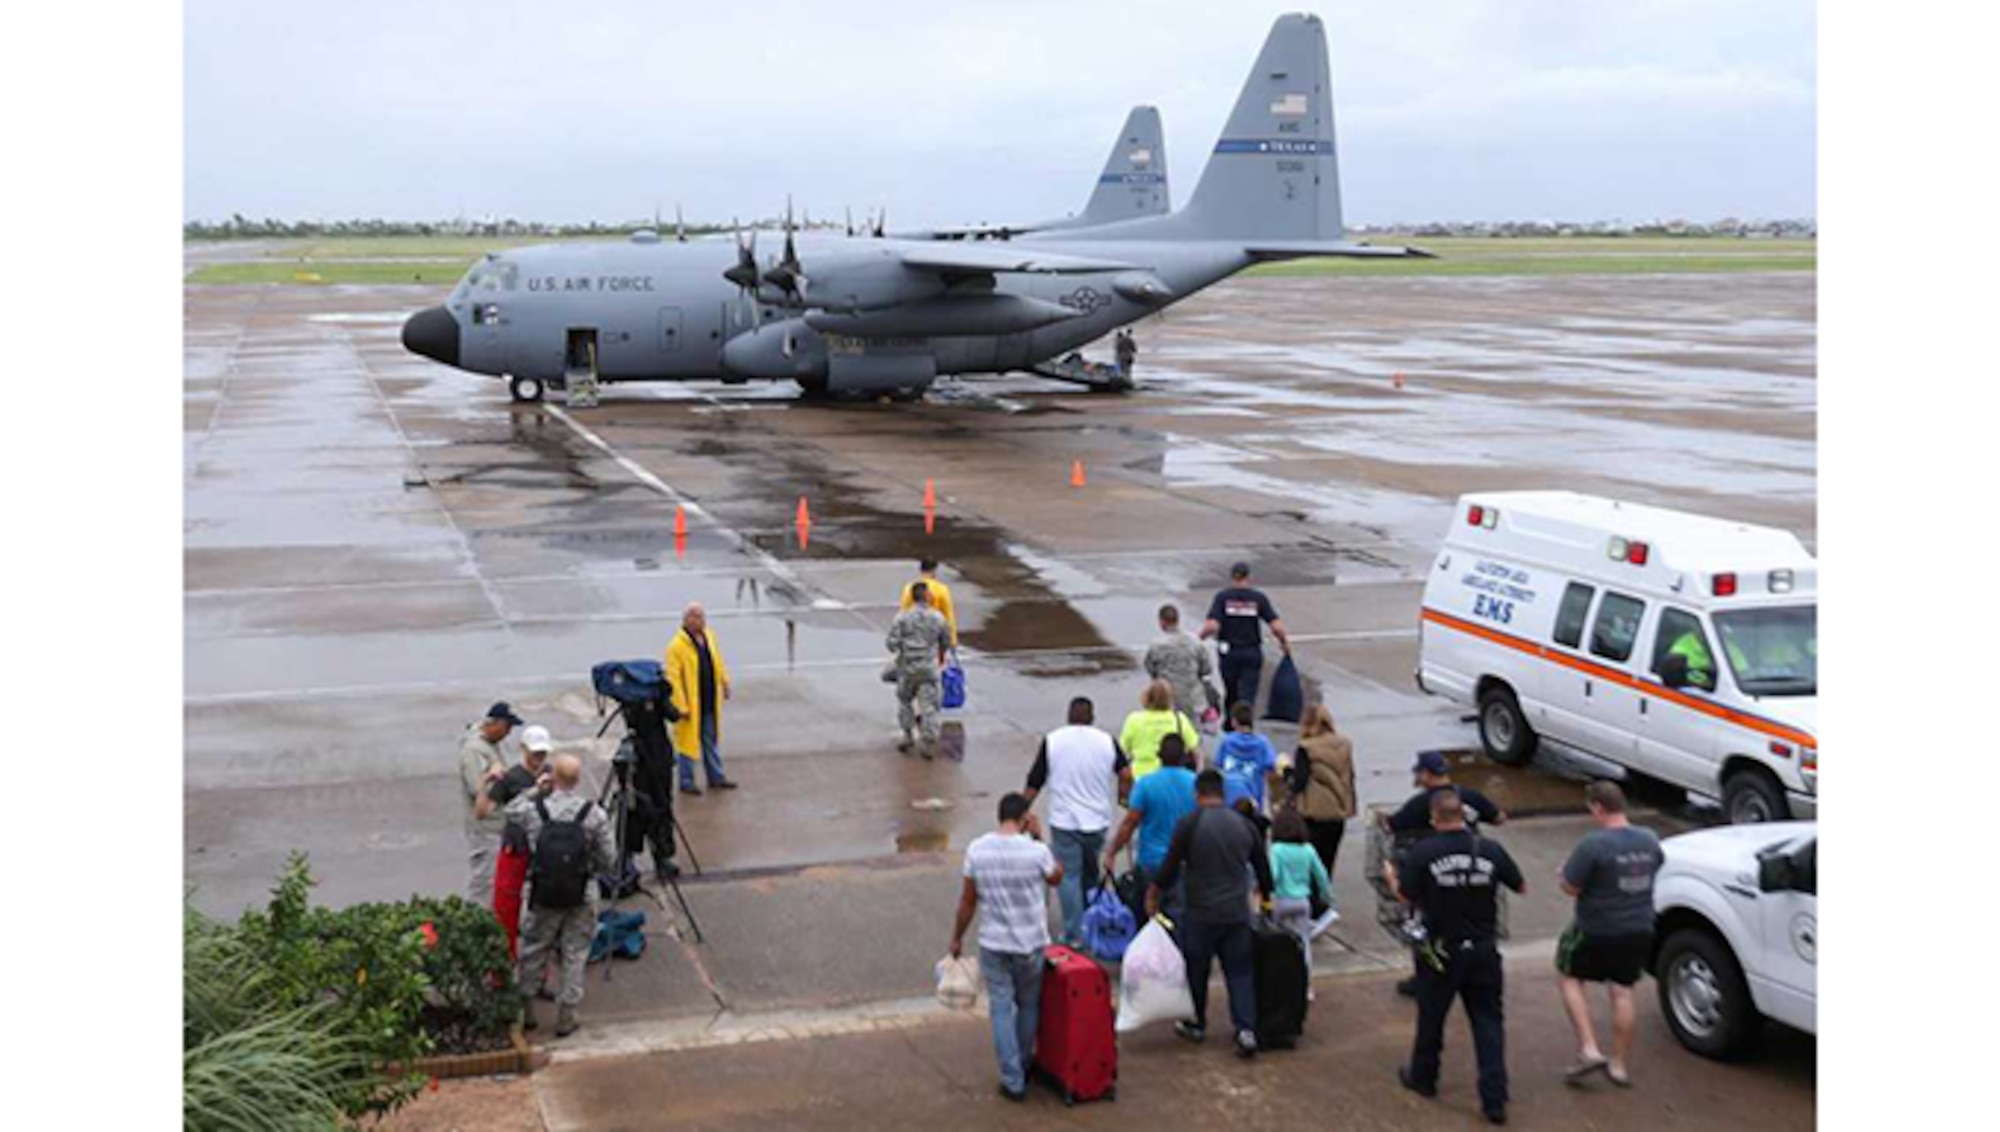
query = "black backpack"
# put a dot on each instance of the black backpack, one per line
(561, 868)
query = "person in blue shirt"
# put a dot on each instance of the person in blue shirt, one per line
(1158, 802)
(1246, 759)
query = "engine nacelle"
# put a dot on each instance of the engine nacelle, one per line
(779, 351)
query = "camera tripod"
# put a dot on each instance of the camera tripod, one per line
(616, 798)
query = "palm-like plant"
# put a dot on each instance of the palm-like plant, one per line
(248, 1063)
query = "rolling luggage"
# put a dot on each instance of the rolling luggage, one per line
(1075, 1046)
(1279, 961)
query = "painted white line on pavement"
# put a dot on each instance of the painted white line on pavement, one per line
(694, 510)
(335, 691)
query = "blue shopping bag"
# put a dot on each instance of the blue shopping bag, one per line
(953, 681)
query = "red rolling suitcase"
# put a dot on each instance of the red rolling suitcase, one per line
(1075, 1045)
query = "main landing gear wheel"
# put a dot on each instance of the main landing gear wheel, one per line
(526, 390)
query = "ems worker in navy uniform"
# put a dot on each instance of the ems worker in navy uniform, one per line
(1452, 879)
(1236, 618)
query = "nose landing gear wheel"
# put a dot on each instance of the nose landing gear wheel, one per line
(526, 390)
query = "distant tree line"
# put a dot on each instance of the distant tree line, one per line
(241, 227)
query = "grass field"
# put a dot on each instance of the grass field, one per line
(427, 272)
(1459, 255)
(442, 259)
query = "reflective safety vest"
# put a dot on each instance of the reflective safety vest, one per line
(1701, 665)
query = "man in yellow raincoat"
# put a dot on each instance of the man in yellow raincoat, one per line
(700, 682)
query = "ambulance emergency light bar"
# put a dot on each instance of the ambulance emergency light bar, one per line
(1625, 550)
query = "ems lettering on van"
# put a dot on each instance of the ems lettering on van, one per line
(1678, 646)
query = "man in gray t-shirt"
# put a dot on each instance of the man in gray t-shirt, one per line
(1008, 874)
(1610, 873)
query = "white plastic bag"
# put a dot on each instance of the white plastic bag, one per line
(958, 983)
(1152, 984)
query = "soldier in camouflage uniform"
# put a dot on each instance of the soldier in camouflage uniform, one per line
(1181, 661)
(566, 930)
(918, 638)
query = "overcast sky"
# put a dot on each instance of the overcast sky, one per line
(952, 112)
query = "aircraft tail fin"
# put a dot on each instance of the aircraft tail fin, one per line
(1274, 175)
(1134, 181)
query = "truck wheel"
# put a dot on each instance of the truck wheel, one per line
(1753, 796)
(526, 390)
(1503, 730)
(1703, 995)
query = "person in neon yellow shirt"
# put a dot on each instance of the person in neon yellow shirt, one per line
(1700, 662)
(940, 596)
(1155, 720)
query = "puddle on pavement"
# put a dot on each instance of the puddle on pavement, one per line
(1031, 592)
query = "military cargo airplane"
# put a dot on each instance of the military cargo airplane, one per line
(874, 315)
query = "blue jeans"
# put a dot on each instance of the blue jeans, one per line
(1080, 854)
(711, 756)
(1014, 999)
(1202, 943)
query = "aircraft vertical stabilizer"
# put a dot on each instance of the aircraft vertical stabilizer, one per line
(1274, 175)
(1134, 181)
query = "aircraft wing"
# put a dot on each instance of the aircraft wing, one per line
(950, 258)
(1308, 249)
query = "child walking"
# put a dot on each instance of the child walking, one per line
(1296, 873)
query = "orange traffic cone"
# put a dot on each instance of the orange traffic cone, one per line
(1076, 478)
(1399, 379)
(804, 523)
(680, 522)
(930, 507)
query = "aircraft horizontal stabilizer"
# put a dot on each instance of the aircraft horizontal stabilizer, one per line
(1269, 251)
(988, 259)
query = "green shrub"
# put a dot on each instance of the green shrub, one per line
(363, 965)
(473, 995)
(309, 1011)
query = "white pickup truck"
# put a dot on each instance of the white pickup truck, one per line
(1736, 936)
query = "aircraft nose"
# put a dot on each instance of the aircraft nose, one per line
(433, 333)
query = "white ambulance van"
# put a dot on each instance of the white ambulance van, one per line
(1681, 647)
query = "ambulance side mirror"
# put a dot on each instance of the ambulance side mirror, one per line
(1674, 671)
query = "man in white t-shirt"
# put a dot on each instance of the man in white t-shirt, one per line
(1087, 778)
(1007, 877)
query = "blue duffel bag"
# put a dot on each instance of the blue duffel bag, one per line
(1108, 924)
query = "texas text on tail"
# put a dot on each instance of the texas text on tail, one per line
(873, 315)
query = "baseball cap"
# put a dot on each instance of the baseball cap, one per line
(502, 711)
(1432, 762)
(537, 739)
(1240, 570)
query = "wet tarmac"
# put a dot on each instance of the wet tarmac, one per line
(376, 546)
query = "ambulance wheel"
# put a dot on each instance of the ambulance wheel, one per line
(1503, 730)
(526, 390)
(1753, 796)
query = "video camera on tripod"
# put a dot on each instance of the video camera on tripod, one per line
(639, 792)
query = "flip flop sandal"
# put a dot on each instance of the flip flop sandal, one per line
(1584, 1067)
